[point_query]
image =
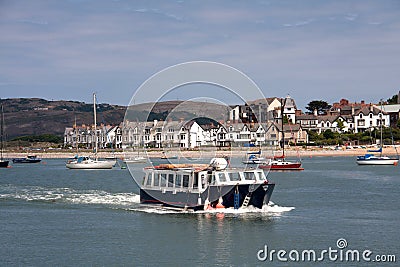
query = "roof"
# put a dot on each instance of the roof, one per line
(367, 110)
(391, 108)
(307, 117)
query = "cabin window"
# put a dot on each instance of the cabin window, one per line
(249, 176)
(170, 180)
(196, 181)
(234, 176)
(148, 182)
(156, 179)
(185, 180)
(163, 180)
(178, 180)
(221, 177)
(203, 179)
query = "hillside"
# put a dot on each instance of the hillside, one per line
(35, 116)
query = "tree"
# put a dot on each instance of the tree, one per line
(340, 125)
(393, 100)
(328, 134)
(321, 106)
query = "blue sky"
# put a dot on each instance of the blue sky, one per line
(312, 50)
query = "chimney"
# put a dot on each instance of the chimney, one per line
(352, 110)
(155, 123)
(315, 112)
(371, 107)
(181, 119)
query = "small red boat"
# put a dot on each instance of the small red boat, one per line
(280, 164)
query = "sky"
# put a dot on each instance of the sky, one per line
(311, 50)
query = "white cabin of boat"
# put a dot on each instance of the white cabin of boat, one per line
(193, 180)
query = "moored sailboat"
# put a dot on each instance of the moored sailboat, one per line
(253, 157)
(372, 159)
(3, 162)
(279, 163)
(85, 162)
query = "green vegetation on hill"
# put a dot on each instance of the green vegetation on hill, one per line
(366, 138)
(49, 138)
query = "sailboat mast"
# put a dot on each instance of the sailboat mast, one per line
(76, 136)
(381, 115)
(283, 133)
(95, 125)
(1, 132)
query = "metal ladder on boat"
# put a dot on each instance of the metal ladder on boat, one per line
(246, 200)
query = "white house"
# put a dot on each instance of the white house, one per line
(370, 118)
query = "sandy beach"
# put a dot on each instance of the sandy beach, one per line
(206, 152)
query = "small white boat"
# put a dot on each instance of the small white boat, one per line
(370, 159)
(138, 159)
(85, 162)
(254, 157)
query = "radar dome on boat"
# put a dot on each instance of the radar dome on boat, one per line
(219, 163)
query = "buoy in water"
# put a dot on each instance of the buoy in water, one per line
(219, 204)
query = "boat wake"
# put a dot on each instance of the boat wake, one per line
(270, 210)
(125, 201)
(67, 195)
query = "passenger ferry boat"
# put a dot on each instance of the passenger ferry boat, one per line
(203, 186)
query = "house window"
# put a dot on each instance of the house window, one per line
(361, 122)
(370, 116)
(361, 115)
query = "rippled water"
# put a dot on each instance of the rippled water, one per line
(50, 215)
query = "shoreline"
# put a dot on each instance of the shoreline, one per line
(204, 153)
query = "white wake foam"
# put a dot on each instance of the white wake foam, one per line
(270, 210)
(68, 195)
(127, 201)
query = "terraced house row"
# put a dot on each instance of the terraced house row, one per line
(254, 124)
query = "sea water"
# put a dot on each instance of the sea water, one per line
(53, 216)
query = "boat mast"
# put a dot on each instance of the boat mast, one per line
(381, 115)
(2, 132)
(283, 103)
(95, 125)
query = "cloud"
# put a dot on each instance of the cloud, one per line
(351, 16)
(305, 49)
(34, 22)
